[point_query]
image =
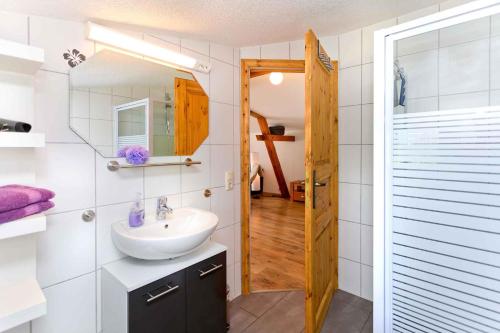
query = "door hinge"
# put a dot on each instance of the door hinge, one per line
(324, 58)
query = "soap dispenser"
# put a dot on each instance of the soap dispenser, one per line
(136, 215)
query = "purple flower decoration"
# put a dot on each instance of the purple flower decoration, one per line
(136, 155)
(123, 151)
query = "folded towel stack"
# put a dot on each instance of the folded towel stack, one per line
(18, 201)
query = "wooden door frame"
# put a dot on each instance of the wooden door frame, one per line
(256, 67)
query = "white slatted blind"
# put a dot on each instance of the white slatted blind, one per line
(132, 140)
(446, 221)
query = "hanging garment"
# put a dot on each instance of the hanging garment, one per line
(396, 88)
(402, 91)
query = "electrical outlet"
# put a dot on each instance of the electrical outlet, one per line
(229, 180)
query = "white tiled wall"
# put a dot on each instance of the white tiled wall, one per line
(71, 252)
(447, 69)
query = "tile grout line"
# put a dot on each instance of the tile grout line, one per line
(265, 312)
(438, 68)
(489, 59)
(366, 321)
(361, 174)
(424, 97)
(95, 237)
(248, 312)
(71, 279)
(28, 22)
(439, 47)
(258, 317)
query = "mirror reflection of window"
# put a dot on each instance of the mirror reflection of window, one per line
(131, 121)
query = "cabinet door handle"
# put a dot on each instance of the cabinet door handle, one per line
(211, 270)
(168, 291)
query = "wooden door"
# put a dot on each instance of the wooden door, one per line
(191, 116)
(321, 223)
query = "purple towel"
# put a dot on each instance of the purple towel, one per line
(19, 213)
(18, 196)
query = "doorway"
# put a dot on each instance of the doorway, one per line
(321, 174)
(277, 173)
(253, 68)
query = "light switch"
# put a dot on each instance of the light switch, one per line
(229, 178)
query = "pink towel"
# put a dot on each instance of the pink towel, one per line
(18, 196)
(19, 213)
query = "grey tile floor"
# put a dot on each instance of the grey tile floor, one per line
(276, 312)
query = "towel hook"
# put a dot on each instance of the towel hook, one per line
(88, 215)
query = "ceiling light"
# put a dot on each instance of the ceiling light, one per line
(124, 42)
(276, 78)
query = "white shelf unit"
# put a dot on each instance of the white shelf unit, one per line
(24, 226)
(21, 298)
(20, 303)
(20, 58)
(21, 140)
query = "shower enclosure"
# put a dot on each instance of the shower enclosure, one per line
(437, 173)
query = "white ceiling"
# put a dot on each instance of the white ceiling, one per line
(283, 104)
(232, 22)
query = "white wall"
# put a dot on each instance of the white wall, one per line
(283, 104)
(71, 252)
(421, 57)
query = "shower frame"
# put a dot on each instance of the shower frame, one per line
(384, 41)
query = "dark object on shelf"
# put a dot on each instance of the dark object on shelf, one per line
(277, 130)
(7, 125)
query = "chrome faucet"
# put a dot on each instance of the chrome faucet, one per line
(162, 208)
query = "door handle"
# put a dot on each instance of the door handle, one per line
(316, 184)
(168, 291)
(211, 270)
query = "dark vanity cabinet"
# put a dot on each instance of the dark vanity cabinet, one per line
(191, 299)
(159, 307)
(206, 295)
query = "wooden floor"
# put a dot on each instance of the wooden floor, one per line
(276, 244)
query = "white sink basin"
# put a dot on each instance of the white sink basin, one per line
(180, 233)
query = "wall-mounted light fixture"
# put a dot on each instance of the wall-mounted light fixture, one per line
(127, 43)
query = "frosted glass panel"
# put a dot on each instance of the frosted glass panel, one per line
(446, 221)
(440, 157)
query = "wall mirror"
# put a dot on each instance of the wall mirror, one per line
(119, 100)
